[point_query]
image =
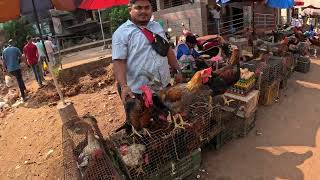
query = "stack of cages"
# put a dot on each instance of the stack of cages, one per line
(80, 165)
(244, 124)
(205, 114)
(239, 115)
(227, 133)
(276, 65)
(149, 156)
(303, 64)
(261, 70)
(270, 94)
(269, 88)
(288, 68)
(182, 168)
(295, 58)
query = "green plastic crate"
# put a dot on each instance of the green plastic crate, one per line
(303, 65)
(180, 169)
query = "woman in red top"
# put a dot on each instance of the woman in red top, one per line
(31, 52)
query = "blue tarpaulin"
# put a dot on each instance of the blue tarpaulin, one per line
(222, 1)
(283, 4)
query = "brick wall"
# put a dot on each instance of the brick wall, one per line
(264, 13)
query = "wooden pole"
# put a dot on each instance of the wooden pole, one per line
(46, 53)
(102, 31)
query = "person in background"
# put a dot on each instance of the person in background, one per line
(42, 57)
(186, 54)
(187, 48)
(31, 52)
(11, 64)
(50, 50)
(297, 22)
(2, 75)
(215, 12)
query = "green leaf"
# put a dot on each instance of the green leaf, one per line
(18, 30)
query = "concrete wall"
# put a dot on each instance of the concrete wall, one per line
(194, 16)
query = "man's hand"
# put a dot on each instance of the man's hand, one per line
(126, 93)
(178, 78)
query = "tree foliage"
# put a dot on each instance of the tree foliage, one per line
(18, 30)
(116, 16)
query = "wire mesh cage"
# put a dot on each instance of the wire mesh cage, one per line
(153, 157)
(259, 68)
(235, 125)
(270, 94)
(207, 120)
(288, 64)
(276, 68)
(182, 168)
(243, 125)
(145, 156)
(284, 82)
(83, 160)
(303, 64)
(227, 132)
(71, 170)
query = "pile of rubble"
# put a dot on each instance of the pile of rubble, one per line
(95, 81)
(9, 98)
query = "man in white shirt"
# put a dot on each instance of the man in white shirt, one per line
(296, 22)
(215, 12)
(50, 50)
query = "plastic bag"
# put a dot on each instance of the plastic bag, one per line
(45, 66)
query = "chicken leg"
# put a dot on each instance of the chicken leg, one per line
(145, 131)
(226, 101)
(181, 124)
(140, 170)
(135, 132)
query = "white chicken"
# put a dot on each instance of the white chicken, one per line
(92, 151)
(132, 156)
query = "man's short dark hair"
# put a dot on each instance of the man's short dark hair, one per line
(134, 1)
(28, 38)
(191, 39)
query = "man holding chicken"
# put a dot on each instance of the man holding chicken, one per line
(136, 52)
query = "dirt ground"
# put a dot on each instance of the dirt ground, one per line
(287, 148)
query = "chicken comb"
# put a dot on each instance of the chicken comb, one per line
(216, 58)
(147, 95)
(207, 72)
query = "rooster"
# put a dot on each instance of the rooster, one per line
(299, 35)
(177, 98)
(141, 111)
(279, 48)
(223, 78)
(133, 156)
